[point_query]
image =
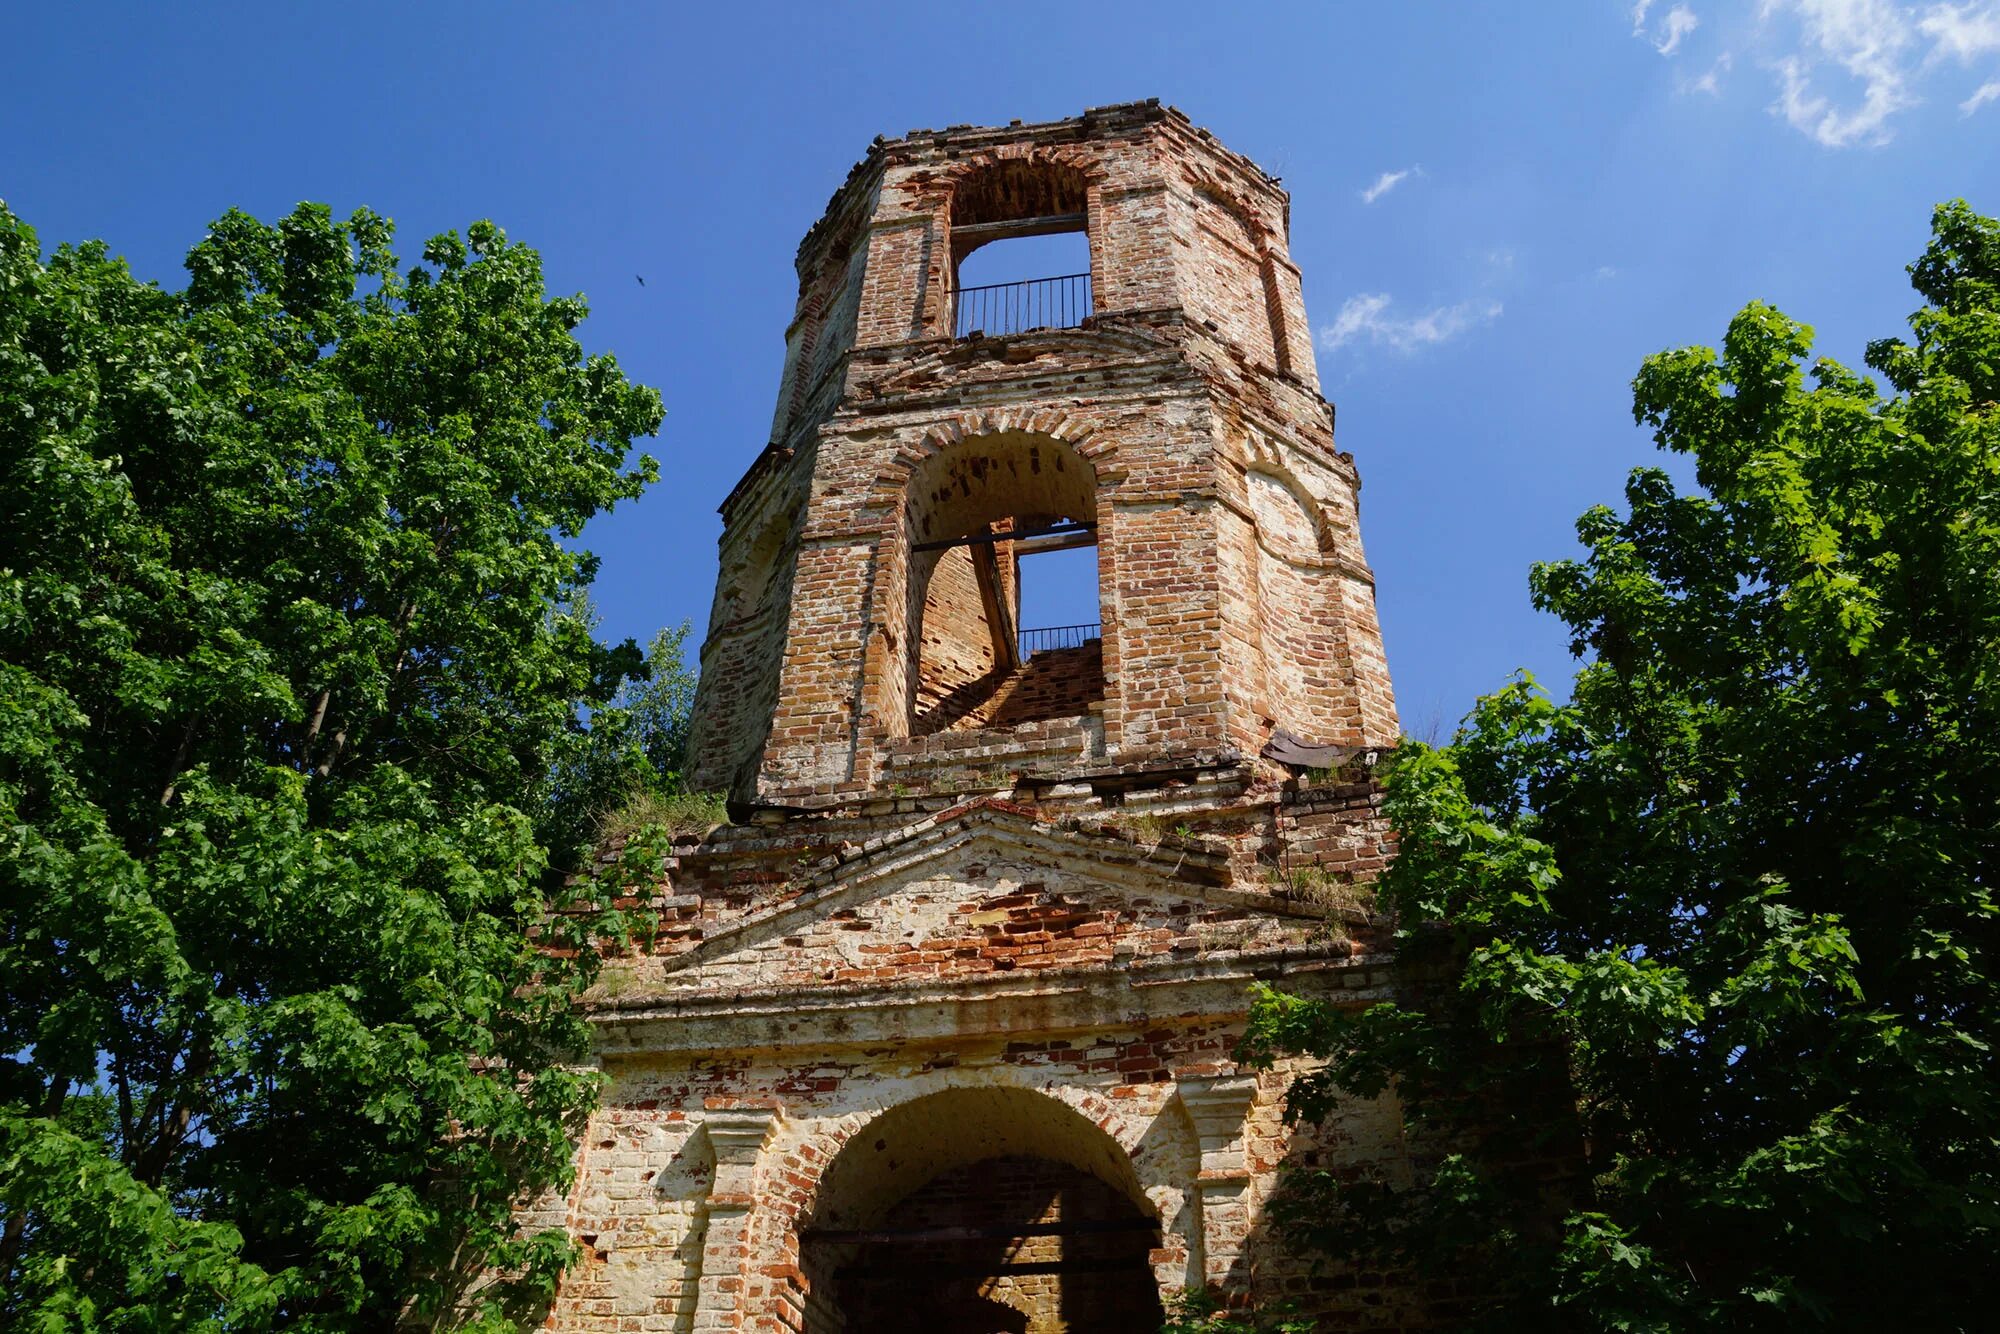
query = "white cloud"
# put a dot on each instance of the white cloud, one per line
(1876, 43)
(1711, 82)
(1369, 317)
(1963, 32)
(1604, 273)
(1672, 30)
(1679, 22)
(1867, 39)
(1388, 181)
(1988, 92)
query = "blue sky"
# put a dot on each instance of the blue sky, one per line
(1499, 208)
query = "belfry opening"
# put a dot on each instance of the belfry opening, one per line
(981, 1211)
(1020, 249)
(979, 517)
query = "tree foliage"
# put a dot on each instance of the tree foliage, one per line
(1196, 1310)
(628, 768)
(284, 675)
(1720, 930)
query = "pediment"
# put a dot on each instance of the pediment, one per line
(987, 888)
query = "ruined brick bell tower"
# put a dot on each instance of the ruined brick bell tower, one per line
(1164, 404)
(939, 1033)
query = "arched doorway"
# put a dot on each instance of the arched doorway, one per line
(987, 1211)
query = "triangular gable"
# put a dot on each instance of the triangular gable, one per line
(983, 887)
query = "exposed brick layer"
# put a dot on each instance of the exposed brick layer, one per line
(1055, 683)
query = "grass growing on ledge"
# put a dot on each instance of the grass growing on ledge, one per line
(1310, 883)
(1147, 827)
(676, 812)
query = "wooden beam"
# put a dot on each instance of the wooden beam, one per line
(1045, 225)
(988, 539)
(977, 1232)
(925, 1274)
(1037, 546)
(993, 601)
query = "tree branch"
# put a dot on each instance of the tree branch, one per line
(180, 760)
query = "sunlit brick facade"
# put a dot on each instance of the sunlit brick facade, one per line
(939, 1031)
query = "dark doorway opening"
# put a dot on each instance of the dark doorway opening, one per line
(920, 1225)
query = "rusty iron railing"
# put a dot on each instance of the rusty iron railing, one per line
(1038, 303)
(1057, 636)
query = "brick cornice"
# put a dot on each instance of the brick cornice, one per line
(1053, 1001)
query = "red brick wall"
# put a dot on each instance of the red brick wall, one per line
(956, 641)
(744, 648)
(1055, 683)
(1227, 279)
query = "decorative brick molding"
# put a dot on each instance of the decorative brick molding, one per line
(737, 1136)
(1219, 1108)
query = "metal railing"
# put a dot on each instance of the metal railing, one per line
(1057, 636)
(1038, 303)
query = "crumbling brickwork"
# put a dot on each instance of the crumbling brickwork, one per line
(1183, 419)
(938, 1032)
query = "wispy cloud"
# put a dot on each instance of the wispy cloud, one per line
(1966, 33)
(1963, 32)
(1711, 82)
(1674, 28)
(1987, 92)
(1866, 38)
(1885, 50)
(1388, 181)
(1370, 317)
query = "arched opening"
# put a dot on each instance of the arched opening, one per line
(1002, 1208)
(828, 307)
(996, 525)
(1289, 592)
(744, 593)
(743, 651)
(1238, 285)
(1020, 249)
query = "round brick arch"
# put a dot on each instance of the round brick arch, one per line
(805, 1166)
(943, 186)
(1312, 514)
(956, 492)
(893, 482)
(1017, 435)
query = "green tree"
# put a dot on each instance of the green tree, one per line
(281, 688)
(1721, 928)
(626, 771)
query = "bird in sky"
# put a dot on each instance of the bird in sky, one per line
(642, 281)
